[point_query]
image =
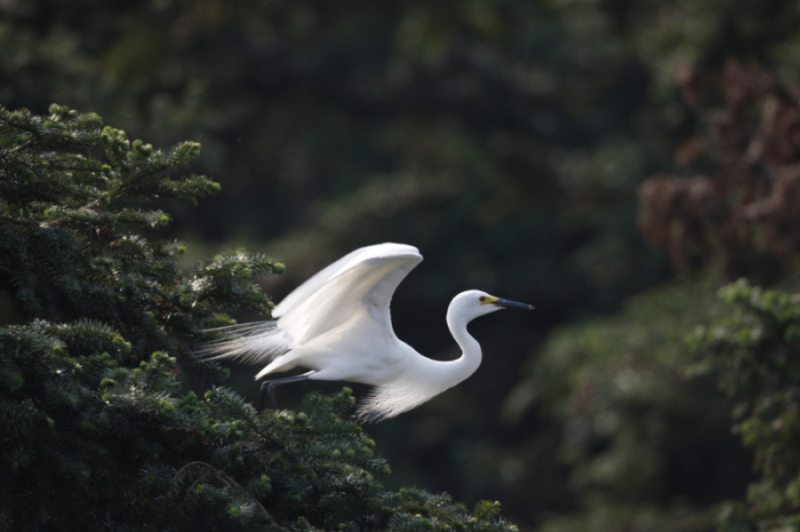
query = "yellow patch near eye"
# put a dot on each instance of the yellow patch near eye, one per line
(486, 300)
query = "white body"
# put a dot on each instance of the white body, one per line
(337, 324)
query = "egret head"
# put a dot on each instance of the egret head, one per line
(474, 303)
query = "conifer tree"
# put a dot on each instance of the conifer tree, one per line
(97, 431)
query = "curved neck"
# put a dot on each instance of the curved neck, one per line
(464, 366)
(425, 378)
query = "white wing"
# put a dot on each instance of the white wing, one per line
(358, 285)
(362, 281)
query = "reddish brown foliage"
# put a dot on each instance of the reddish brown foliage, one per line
(750, 202)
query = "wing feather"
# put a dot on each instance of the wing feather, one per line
(323, 276)
(361, 283)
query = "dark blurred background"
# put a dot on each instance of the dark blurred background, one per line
(506, 139)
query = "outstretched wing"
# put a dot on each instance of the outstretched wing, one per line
(360, 284)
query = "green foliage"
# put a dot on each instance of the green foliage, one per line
(97, 431)
(125, 448)
(71, 197)
(646, 441)
(755, 354)
(645, 448)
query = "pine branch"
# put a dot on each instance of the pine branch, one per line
(95, 416)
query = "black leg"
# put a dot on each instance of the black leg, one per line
(270, 386)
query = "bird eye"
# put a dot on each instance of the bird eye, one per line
(482, 299)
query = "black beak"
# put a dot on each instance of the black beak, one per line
(512, 304)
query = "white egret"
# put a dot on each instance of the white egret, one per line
(337, 325)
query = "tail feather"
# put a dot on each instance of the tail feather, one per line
(250, 343)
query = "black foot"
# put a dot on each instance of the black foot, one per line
(270, 386)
